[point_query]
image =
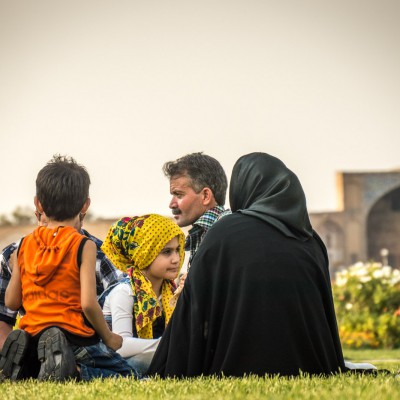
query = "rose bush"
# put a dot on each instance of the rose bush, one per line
(367, 302)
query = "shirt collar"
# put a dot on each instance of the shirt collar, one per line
(209, 217)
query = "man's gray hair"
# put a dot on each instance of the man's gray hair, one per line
(203, 171)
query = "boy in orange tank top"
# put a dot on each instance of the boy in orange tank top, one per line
(54, 281)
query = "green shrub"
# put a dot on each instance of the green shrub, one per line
(367, 302)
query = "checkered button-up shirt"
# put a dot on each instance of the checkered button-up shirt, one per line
(6, 315)
(201, 227)
(106, 274)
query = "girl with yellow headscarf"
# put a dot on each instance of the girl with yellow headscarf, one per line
(150, 248)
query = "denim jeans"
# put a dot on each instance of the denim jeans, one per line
(99, 361)
(140, 363)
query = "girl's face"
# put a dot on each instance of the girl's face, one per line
(166, 264)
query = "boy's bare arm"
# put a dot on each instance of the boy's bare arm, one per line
(89, 303)
(13, 298)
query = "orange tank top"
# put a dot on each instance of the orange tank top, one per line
(50, 277)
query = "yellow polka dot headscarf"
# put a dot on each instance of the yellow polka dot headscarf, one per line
(132, 244)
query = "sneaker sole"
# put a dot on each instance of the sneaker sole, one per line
(13, 354)
(56, 356)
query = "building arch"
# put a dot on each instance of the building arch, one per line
(375, 186)
(383, 227)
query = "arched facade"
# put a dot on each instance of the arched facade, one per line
(367, 222)
(383, 228)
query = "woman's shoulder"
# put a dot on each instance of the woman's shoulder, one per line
(231, 223)
(228, 231)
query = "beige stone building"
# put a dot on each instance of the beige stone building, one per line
(366, 225)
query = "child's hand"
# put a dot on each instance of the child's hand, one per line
(13, 260)
(182, 281)
(114, 341)
(178, 291)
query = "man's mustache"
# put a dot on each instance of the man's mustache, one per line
(176, 211)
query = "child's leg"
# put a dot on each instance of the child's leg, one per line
(14, 355)
(56, 356)
(99, 361)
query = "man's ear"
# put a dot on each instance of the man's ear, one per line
(86, 205)
(38, 205)
(208, 196)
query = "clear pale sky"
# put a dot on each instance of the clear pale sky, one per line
(123, 86)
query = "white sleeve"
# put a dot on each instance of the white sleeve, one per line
(121, 307)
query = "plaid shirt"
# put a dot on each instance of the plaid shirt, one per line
(201, 227)
(106, 274)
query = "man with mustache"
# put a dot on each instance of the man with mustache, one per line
(198, 186)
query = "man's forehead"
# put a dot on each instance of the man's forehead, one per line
(182, 181)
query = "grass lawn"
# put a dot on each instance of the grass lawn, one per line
(337, 387)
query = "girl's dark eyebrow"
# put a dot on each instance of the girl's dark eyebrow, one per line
(171, 247)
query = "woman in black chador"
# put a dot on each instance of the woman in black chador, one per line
(258, 298)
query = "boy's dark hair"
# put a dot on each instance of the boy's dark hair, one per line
(62, 187)
(203, 171)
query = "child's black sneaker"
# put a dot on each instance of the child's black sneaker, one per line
(56, 356)
(13, 354)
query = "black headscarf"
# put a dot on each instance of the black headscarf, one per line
(256, 299)
(262, 186)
